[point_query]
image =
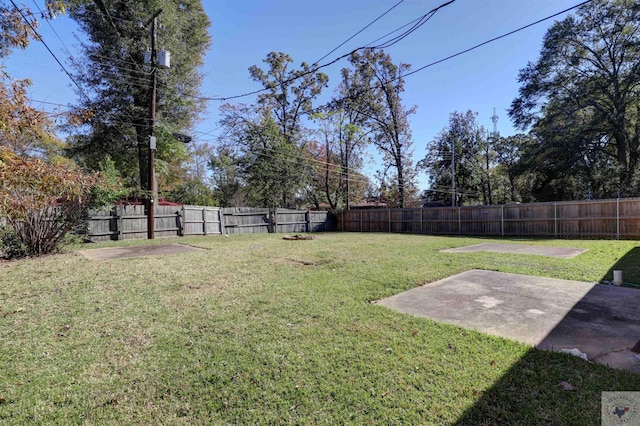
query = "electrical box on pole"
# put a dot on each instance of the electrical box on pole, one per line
(164, 58)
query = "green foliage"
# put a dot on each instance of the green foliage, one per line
(119, 123)
(374, 89)
(581, 100)
(11, 245)
(266, 157)
(225, 166)
(112, 188)
(193, 191)
(472, 166)
(337, 159)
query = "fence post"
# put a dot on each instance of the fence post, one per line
(502, 220)
(307, 218)
(555, 220)
(221, 219)
(389, 217)
(617, 218)
(204, 220)
(275, 220)
(119, 220)
(459, 222)
(360, 220)
(181, 217)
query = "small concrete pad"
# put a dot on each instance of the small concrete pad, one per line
(136, 251)
(564, 252)
(602, 321)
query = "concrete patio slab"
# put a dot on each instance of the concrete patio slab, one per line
(563, 252)
(602, 321)
(135, 251)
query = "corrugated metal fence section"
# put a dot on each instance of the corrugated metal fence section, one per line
(124, 222)
(618, 218)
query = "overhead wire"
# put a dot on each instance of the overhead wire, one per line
(39, 37)
(420, 22)
(316, 67)
(406, 74)
(398, 38)
(45, 17)
(462, 52)
(360, 31)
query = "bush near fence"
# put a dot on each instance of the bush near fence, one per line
(617, 218)
(124, 222)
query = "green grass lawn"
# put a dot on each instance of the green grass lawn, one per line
(258, 330)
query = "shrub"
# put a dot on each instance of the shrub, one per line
(41, 202)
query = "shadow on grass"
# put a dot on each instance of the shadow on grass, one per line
(629, 264)
(548, 388)
(545, 388)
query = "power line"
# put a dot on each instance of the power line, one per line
(495, 39)
(319, 67)
(394, 31)
(361, 30)
(54, 30)
(48, 49)
(421, 21)
(414, 71)
(378, 86)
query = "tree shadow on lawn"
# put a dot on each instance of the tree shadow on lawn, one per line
(548, 388)
(629, 264)
(545, 388)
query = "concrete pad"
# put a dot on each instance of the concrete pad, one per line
(602, 321)
(136, 251)
(563, 252)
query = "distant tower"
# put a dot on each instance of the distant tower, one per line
(494, 118)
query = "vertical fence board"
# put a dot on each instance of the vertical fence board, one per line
(575, 219)
(570, 219)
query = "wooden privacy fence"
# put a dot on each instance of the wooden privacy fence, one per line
(619, 218)
(123, 222)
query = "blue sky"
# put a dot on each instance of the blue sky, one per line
(245, 31)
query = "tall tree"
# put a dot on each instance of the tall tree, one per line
(509, 165)
(589, 68)
(353, 133)
(379, 83)
(465, 142)
(226, 173)
(337, 157)
(117, 81)
(271, 136)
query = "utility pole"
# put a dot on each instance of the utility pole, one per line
(152, 122)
